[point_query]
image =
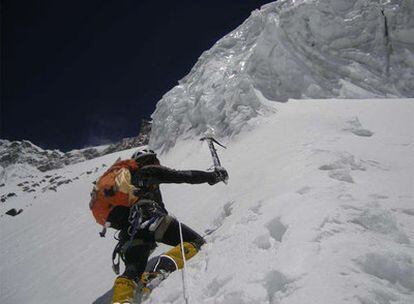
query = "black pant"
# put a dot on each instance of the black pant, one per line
(136, 256)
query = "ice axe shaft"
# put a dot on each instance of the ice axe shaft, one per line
(213, 151)
(211, 141)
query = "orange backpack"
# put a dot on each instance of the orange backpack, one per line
(105, 195)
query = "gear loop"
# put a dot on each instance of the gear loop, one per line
(135, 218)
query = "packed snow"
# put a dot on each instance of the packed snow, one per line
(318, 209)
(292, 49)
(320, 203)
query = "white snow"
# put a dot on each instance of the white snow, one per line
(320, 203)
(16, 172)
(292, 49)
(318, 209)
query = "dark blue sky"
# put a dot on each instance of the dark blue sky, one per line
(78, 73)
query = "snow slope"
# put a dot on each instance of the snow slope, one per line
(318, 209)
(292, 49)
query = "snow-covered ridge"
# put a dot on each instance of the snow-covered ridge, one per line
(292, 49)
(25, 152)
(21, 157)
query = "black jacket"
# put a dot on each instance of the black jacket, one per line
(147, 180)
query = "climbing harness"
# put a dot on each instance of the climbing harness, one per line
(144, 215)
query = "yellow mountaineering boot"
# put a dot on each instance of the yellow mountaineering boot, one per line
(190, 250)
(167, 263)
(123, 291)
(146, 277)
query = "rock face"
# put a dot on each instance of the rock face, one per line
(131, 142)
(25, 152)
(292, 49)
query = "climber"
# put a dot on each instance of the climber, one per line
(127, 198)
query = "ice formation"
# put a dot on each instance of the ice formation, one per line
(292, 49)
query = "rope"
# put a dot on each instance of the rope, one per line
(184, 277)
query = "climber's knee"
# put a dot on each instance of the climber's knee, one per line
(174, 259)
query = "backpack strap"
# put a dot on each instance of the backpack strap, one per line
(105, 227)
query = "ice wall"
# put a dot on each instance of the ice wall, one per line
(292, 49)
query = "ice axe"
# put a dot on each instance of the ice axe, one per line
(210, 142)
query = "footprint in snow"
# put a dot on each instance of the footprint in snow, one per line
(381, 221)
(220, 219)
(263, 242)
(341, 168)
(276, 229)
(329, 227)
(252, 214)
(276, 284)
(225, 213)
(257, 208)
(354, 126)
(342, 175)
(397, 269)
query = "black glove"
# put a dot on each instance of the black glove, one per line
(219, 175)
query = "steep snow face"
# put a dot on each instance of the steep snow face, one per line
(292, 49)
(318, 209)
